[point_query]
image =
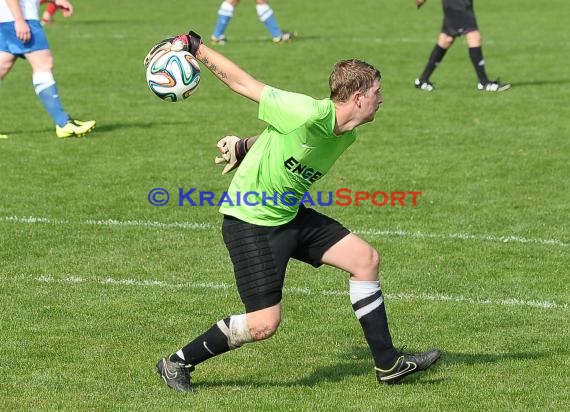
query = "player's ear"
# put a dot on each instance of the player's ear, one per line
(357, 98)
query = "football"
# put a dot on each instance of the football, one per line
(173, 75)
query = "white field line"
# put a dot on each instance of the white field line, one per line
(463, 236)
(207, 226)
(403, 296)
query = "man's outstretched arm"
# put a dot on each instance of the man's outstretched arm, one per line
(230, 73)
(223, 68)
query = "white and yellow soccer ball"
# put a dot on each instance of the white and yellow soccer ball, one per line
(173, 75)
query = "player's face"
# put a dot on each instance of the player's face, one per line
(371, 101)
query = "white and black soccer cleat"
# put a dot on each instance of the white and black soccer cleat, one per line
(423, 85)
(493, 86)
(407, 364)
(175, 375)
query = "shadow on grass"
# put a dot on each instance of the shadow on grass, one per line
(14, 133)
(100, 128)
(110, 127)
(363, 365)
(267, 40)
(326, 374)
(331, 373)
(105, 22)
(480, 358)
(540, 83)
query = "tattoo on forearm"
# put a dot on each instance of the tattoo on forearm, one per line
(214, 69)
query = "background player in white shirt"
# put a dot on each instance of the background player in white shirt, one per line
(21, 35)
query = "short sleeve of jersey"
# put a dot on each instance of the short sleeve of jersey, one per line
(286, 111)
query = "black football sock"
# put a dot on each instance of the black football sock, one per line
(211, 343)
(476, 55)
(368, 304)
(435, 58)
(377, 334)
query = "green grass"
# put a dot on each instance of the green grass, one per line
(97, 284)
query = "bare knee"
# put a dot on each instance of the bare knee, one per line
(374, 260)
(355, 256)
(5, 67)
(445, 41)
(4, 71)
(474, 38)
(43, 66)
(263, 323)
(263, 328)
(41, 61)
(368, 267)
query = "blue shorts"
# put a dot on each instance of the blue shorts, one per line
(11, 44)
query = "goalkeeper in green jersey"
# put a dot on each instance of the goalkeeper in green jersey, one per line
(303, 139)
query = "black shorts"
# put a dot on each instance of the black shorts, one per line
(458, 17)
(260, 253)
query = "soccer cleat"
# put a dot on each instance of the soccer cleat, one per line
(493, 86)
(423, 85)
(175, 375)
(285, 37)
(220, 41)
(75, 128)
(407, 364)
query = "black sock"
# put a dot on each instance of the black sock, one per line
(435, 58)
(377, 333)
(211, 343)
(476, 55)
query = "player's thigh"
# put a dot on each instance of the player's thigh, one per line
(315, 234)
(40, 60)
(323, 240)
(259, 255)
(355, 256)
(7, 61)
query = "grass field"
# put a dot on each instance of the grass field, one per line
(96, 284)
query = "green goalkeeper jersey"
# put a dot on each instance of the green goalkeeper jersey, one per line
(297, 148)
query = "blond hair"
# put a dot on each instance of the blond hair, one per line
(350, 76)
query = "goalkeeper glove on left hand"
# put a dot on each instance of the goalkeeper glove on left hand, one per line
(232, 151)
